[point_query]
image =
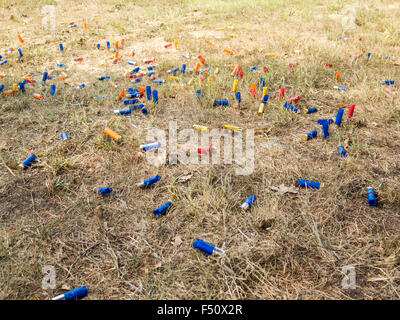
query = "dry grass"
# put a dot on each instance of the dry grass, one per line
(289, 246)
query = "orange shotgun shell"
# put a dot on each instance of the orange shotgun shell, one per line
(337, 76)
(121, 94)
(196, 68)
(112, 134)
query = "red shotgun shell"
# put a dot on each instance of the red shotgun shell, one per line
(294, 99)
(351, 111)
(281, 93)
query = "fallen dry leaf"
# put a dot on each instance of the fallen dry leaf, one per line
(282, 189)
(185, 177)
(177, 241)
(267, 223)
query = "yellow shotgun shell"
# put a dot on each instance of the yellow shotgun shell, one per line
(227, 126)
(198, 127)
(261, 109)
(265, 90)
(235, 85)
(173, 78)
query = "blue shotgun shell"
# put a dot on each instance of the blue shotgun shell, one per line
(368, 55)
(149, 74)
(321, 121)
(103, 77)
(387, 81)
(309, 135)
(249, 201)
(221, 102)
(1, 87)
(3, 62)
(183, 69)
(341, 151)
(310, 110)
(148, 92)
(20, 52)
(102, 190)
(172, 70)
(198, 93)
(238, 97)
(64, 136)
(203, 246)
(52, 89)
(290, 107)
(262, 83)
(45, 74)
(108, 44)
(308, 183)
(21, 86)
(132, 63)
(149, 181)
(158, 80)
(135, 69)
(137, 106)
(144, 110)
(28, 161)
(340, 88)
(155, 96)
(325, 128)
(265, 98)
(339, 116)
(124, 111)
(130, 101)
(371, 196)
(61, 47)
(75, 294)
(152, 145)
(163, 208)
